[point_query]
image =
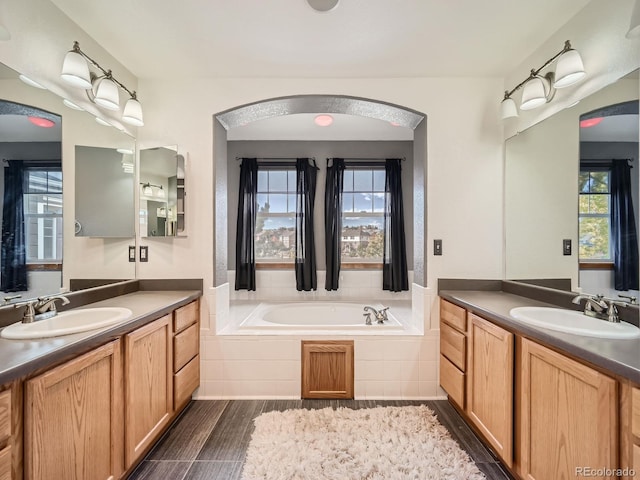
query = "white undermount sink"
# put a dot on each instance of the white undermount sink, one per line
(570, 321)
(66, 323)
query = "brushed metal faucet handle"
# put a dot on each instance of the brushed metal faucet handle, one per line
(629, 298)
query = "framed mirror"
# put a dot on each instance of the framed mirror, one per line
(162, 192)
(61, 256)
(542, 166)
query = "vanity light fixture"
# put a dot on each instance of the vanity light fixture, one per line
(634, 26)
(540, 89)
(70, 104)
(30, 82)
(101, 89)
(147, 189)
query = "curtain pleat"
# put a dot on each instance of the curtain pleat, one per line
(14, 249)
(624, 237)
(305, 266)
(246, 224)
(394, 262)
(333, 221)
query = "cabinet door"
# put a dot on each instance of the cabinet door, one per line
(327, 369)
(148, 385)
(490, 384)
(568, 416)
(73, 419)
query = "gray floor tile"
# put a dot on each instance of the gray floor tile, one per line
(165, 470)
(187, 436)
(204, 470)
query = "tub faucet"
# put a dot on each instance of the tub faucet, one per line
(381, 315)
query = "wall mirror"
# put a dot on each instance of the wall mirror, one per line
(53, 220)
(542, 166)
(162, 192)
(104, 192)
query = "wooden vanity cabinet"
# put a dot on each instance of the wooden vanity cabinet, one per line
(186, 358)
(453, 351)
(6, 450)
(629, 429)
(148, 385)
(73, 419)
(568, 415)
(490, 384)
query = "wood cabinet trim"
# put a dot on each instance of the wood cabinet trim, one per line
(635, 412)
(186, 345)
(136, 447)
(5, 416)
(453, 314)
(452, 381)
(497, 373)
(5, 463)
(453, 345)
(186, 315)
(335, 373)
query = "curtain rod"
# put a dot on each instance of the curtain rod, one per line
(276, 158)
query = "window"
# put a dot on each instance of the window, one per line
(275, 235)
(363, 215)
(594, 216)
(43, 214)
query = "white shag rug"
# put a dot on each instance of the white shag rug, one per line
(382, 443)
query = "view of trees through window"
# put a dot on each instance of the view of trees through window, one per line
(275, 222)
(43, 215)
(362, 236)
(363, 215)
(594, 216)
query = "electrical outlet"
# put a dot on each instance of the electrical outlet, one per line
(437, 247)
(566, 246)
(144, 253)
(132, 253)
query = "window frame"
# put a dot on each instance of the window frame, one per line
(362, 263)
(596, 263)
(42, 264)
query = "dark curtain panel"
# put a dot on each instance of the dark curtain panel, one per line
(394, 262)
(246, 225)
(333, 221)
(306, 277)
(14, 249)
(624, 237)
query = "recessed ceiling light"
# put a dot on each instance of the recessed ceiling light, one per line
(590, 122)
(323, 5)
(323, 120)
(30, 82)
(41, 122)
(70, 104)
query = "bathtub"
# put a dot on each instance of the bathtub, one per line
(317, 316)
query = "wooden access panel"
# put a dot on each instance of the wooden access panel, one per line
(327, 369)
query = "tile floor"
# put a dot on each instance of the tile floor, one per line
(209, 440)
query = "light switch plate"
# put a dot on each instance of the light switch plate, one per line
(437, 247)
(132, 253)
(566, 246)
(144, 253)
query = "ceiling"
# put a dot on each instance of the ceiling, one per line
(287, 38)
(614, 128)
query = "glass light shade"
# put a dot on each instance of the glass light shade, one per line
(569, 69)
(508, 108)
(133, 113)
(75, 70)
(102, 122)
(161, 192)
(534, 94)
(147, 190)
(634, 26)
(106, 94)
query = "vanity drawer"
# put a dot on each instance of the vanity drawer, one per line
(453, 345)
(5, 463)
(185, 346)
(185, 382)
(452, 380)
(185, 316)
(5, 415)
(635, 411)
(453, 315)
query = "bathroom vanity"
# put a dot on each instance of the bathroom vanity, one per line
(91, 405)
(547, 403)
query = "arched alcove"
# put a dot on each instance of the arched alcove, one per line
(337, 104)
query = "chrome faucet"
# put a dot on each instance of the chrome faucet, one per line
(41, 308)
(380, 315)
(598, 306)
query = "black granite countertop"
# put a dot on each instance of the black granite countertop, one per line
(619, 357)
(22, 358)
